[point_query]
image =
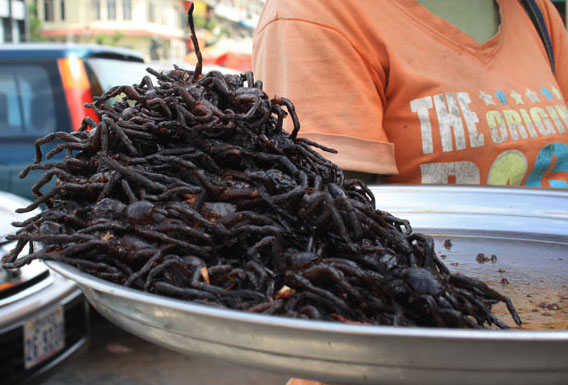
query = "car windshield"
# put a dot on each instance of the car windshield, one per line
(107, 73)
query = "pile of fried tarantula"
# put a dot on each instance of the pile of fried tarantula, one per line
(187, 186)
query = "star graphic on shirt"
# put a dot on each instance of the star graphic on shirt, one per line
(546, 93)
(533, 97)
(488, 99)
(517, 97)
(557, 93)
(501, 96)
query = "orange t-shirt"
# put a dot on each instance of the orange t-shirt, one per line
(402, 92)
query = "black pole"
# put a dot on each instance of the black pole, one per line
(9, 36)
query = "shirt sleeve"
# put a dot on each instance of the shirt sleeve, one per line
(559, 38)
(337, 94)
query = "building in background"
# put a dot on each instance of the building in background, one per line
(13, 26)
(241, 16)
(157, 28)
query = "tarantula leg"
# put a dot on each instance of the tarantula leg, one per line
(292, 112)
(427, 245)
(467, 282)
(165, 288)
(50, 137)
(296, 280)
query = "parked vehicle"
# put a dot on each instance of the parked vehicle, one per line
(43, 88)
(44, 318)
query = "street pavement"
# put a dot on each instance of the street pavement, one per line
(116, 357)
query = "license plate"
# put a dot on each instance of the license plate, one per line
(44, 336)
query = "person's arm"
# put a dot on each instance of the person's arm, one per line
(338, 91)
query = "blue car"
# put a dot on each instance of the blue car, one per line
(43, 89)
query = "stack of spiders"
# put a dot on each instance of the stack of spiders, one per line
(190, 188)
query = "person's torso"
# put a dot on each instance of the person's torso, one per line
(469, 113)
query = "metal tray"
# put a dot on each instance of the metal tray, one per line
(527, 231)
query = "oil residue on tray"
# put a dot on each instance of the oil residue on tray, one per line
(540, 308)
(533, 273)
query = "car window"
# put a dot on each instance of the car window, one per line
(27, 100)
(107, 73)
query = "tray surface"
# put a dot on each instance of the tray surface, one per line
(527, 232)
